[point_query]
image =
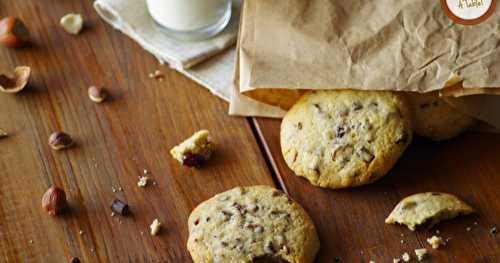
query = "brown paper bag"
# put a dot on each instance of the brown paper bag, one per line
(288, 46)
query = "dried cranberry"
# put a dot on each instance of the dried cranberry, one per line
(192, 160)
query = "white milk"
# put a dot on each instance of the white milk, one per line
(187, 15)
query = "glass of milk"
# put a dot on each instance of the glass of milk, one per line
(191, 19)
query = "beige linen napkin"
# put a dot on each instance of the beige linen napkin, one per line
(132, 18)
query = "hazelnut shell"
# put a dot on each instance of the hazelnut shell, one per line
(17, 81)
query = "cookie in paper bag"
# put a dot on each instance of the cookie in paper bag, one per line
(345, 138)
(436, 119)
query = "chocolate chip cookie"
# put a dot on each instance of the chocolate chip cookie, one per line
(436, 119)
(427, 209)
(345, 138)
(251, 224)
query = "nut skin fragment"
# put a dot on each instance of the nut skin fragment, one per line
(60, 140)
(13, 32)
(15, 82)
(54, 201)
(97, 94)
(72, 23)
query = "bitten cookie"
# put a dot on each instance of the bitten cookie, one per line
(435, 119)
(251, 224)
(427, 209)
(345, 138)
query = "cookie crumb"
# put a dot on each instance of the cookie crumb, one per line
(438, 232)
(421, 253)
(80, 232)
(371, 261)
(112, 213)
(143, 181)
(406, 257)
(146, 171)
(468, 229)
(155, 227)
(436, 242)
(402, 241)
(396, 260)
(31, 241)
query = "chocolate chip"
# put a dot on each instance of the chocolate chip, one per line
(224, 243)
(276, 193)
(259, 229)
(269, 248)
(226, 213)
(299, 125)
(192, 160)
(197, 221)
(120, 207)
(424, 105)
(207, 219)
(340, 132)
(75, 260)
(253, 208)
(357, 106)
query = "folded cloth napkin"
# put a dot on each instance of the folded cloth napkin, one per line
(132, 18)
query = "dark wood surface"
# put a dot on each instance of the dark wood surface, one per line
(351, 222)
(144, 118)
(116, 141)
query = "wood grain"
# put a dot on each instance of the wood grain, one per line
(116, 140)
(351, 222)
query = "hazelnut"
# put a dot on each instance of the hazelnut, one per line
(72, 23)
(60, 140)
(13, 32)
(97, 94)
(15, 82)
(54, 201)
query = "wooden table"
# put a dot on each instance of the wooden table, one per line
(134, 130)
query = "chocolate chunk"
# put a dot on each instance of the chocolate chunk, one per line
(120, 207)
(357, 106)
(197, 221)
(192, 160)
(299, 125)
(340, 132)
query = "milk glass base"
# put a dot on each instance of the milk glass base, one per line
(202, 33)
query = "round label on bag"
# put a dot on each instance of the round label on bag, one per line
(468, 12)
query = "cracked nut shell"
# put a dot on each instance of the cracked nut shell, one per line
(60, 140)
(54, 201)
(97, 94)
(15, 82)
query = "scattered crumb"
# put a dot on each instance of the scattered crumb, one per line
(406, 257)
(80, 232)
(476, 223)
(31, 241)
(396, 260)
(371, 261)
(494, 230)
(468, 229)
(92, 250)
(421, 253)
(120, 189)
(112, 213)
(146, 171)
(436, 242)
(438, 232)
(113, 189)
(154, 183)
(155, 227)
(402, 235)
(402, 241)
(143, 181)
